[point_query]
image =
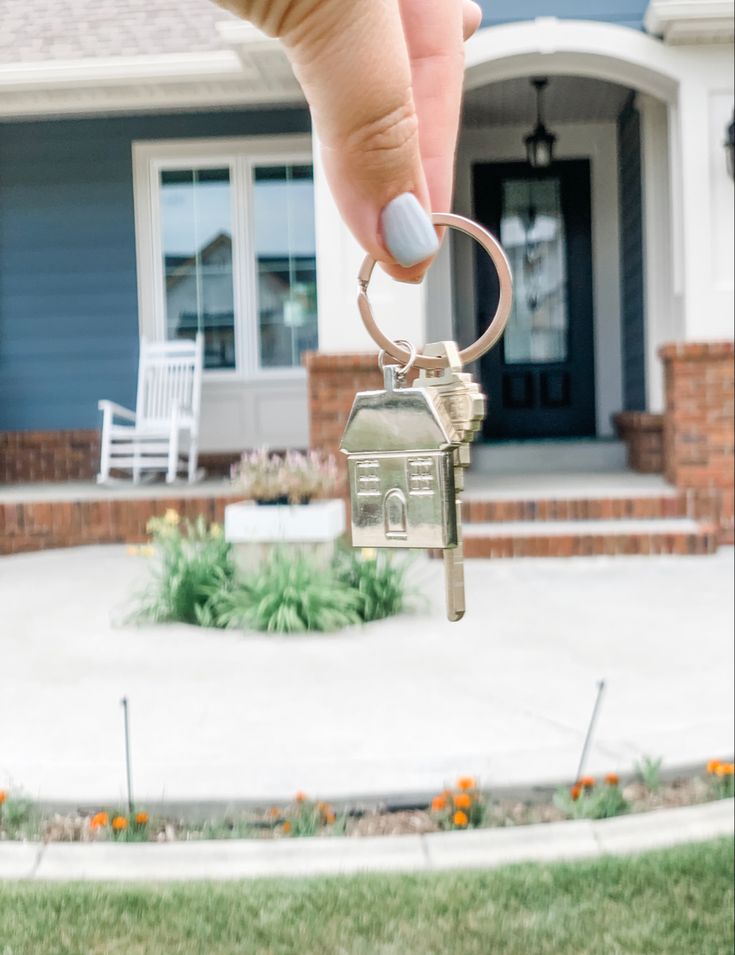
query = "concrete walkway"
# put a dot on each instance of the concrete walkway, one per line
(253, 858)
(398, 707)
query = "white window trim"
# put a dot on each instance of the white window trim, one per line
(240, 155)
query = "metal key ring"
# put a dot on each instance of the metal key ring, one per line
(499, 320)
(401, 370)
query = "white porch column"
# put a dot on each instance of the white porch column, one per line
(706, 196)
(662, 312)
(399, 308)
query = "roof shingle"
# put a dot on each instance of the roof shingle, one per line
(37, 31)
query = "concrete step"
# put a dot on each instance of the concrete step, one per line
(585, 538)
(545, 457)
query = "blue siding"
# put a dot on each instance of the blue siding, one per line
(624, 12)
(631, 260)
(68, 289)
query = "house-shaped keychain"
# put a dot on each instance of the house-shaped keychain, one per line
(400, 447)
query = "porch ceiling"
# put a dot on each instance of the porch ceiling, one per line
(568, 99)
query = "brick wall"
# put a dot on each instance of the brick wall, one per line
(38, 525)
(699, 426)
(48, 455)
(333, 383)
(643, 436)
(33, 456)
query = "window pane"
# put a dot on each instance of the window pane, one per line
(532, 233)
(196, 224)
(285, 263)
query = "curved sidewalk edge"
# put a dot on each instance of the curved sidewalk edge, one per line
(479, 849)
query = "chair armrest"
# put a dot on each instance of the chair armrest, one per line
(109, 407)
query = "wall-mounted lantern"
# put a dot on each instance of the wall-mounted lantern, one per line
(729, 145)
(540, 143)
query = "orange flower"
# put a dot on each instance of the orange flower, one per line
(587, 782)
(300, 797)
(141, 818)
(330, 817)
(438, 803)
(575, 792)
(274, 812)
(466, 782)
(462, 800)
(119, 823)
(612, 779)
(286, 827)
(460, 819)
(713, 765)
(99, 820)
(725, 769)
(3, 796)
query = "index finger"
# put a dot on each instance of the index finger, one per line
(435, 41)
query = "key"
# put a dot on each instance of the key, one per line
(465, 405)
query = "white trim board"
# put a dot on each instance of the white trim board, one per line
(248, 406)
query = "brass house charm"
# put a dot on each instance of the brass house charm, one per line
(400, 457)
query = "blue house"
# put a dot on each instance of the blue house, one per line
(157, 176)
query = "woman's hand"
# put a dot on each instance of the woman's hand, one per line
(383, 79)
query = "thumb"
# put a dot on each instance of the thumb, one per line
(351, 59)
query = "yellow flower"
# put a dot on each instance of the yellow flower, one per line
(368, 553)
(725, 769)
(215, 530)
(147, 550)
(713, 765)
(171, 517)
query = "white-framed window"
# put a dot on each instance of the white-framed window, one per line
(225, 245)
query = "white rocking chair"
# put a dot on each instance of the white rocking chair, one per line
(162, 434)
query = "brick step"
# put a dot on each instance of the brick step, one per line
(589, 538)
(634, 507)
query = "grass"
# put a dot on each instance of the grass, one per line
(677, 902)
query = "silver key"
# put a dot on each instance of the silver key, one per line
(465, 405)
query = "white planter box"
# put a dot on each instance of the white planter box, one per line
(318, 523)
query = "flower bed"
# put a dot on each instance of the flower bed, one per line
(195, 580)
(463, 806)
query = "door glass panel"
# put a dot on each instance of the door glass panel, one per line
(532, 233)
(285, 251)
(196, 227)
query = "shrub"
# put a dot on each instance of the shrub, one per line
(721, 779)
(377, 578)
(305, 817)
(18, 816)
(294, 478)
(193, 562)
(288, 594)
(460, 808)
(649, 770)
(196, 581)
(586, 800)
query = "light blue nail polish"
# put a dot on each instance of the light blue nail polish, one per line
(408, 233)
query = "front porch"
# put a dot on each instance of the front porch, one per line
(534, 513)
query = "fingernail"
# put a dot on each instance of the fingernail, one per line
(407, 230)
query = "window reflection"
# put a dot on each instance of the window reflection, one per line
(532, 233)
(285, 249)
(196, 223)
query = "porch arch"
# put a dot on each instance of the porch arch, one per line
(555, 47)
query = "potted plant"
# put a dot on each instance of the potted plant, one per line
(287, 502)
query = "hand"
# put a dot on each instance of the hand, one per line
(383, 79)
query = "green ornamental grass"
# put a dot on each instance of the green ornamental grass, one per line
(195, 580)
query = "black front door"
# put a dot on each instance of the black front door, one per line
(540, 379)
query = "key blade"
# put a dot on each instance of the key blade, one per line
(454, 581)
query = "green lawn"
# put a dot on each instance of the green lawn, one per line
(677, 902)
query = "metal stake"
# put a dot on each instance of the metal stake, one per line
(590, 729)
(124, 704)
